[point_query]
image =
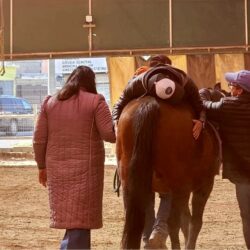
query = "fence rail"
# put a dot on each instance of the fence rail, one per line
(17, 116)
(17, 124)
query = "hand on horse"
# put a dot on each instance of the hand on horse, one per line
(43, 177)
(198, 126)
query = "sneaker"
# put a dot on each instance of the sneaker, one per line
(157, 240)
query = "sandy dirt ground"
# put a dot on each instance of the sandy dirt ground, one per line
(24, 215)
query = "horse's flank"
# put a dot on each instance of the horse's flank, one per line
(180, 161)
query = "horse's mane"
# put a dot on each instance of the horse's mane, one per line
(217, 87)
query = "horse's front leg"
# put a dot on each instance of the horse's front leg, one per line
(199, 201)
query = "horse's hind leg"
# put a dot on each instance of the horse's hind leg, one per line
(179, 202)
(185, 220)
(199, 200)
(149, 219)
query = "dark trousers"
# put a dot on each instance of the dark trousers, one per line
(243, 197)
(76, 239)
(158, 224)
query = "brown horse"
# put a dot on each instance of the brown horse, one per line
(156, 152)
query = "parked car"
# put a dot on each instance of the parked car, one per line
(14, 115)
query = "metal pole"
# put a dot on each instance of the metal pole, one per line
(90, 7)
(90, 29)
(1, 13)
(11, 28)
(125, 52)
(51, 77)
(246, 26)
(2, 52)
(170, 26)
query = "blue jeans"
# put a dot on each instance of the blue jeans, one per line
(243, 197)
(76, 239)
(158, 224)
(161, 220)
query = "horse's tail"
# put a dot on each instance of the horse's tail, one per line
(139, 185)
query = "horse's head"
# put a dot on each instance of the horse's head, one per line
(214, 94)
(217, 87)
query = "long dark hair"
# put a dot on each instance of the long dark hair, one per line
(82, 77)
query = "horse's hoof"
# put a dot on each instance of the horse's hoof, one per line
(157, 240)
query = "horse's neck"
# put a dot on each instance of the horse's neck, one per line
(216, 95)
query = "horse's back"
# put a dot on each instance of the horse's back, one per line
(173, 146)
(179, 161)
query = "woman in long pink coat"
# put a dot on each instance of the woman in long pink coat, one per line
(69, 151)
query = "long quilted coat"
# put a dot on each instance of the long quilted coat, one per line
(68, 141)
